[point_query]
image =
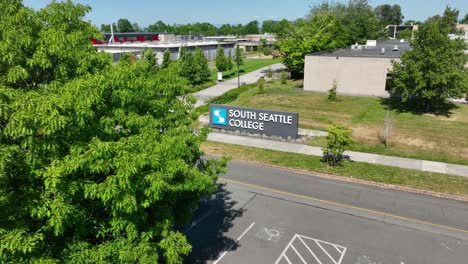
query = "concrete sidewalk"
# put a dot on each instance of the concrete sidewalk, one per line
(421, 165)
(204, 95)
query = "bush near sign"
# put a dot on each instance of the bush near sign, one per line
(254, 121)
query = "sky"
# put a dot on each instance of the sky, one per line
(218, 12)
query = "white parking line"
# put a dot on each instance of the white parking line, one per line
(321, 250)
(237, 240)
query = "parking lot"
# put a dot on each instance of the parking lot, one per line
(245, 225)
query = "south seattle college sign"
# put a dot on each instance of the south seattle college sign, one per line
(254, 121)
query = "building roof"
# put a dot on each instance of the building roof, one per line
(160, 44)
(364, 51)
(134, 34)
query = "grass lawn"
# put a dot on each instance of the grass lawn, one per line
(365, 171)
(429, 137)
(248, 66)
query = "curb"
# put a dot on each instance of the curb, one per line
(358, 181)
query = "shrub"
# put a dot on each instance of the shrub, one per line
(338, 141)
(269, 73)
(284, 77)
(332, 93)
(261, 85)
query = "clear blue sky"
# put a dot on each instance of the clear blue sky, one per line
(218, 12)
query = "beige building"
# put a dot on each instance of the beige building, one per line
(358, 70)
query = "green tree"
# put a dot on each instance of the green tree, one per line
(358, 18)
(433, 70)
(225, 29)
(136, 27)
(251, 28)
(339, 139)
(464, 20)
(284, 77)
(187, 68)
(149, 56)
(389, 14)
(321, 33)
(201, 65)
(332, 92)
(221, 61)
(52, 44)
(124, 25)
(105, 28)
(182, 52)
(269, 73)
(263, 48)
(270, 26)
(238, 57)
(261, 85)
(159, 26)
(93, 167)
(448, 20)
(166, 59)
(230, 64)
(405, 34)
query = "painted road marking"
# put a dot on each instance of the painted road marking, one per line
(269, 234)
(237, 240)
(345, 205)
(320, 254)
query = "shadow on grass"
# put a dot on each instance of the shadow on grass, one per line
(215, 217)
(233, 74)
(418, 107)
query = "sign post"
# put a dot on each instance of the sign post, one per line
(254, 121)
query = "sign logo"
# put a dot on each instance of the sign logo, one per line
(219, 116)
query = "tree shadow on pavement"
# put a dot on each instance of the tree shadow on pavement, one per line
(213, 219)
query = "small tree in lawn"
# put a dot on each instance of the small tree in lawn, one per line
(201, 66)
(261, 85)
(230, 64)
(338, 140)
(166, 59)
(269, 73)
(332, 92)
(239, 61)
(284, 77)
(221, 61)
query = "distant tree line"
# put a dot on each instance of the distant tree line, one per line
(199, 28)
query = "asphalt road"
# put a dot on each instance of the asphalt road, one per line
(268, 215)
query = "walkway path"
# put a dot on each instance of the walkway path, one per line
(222, 87)
(421, 165)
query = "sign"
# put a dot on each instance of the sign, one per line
(254, 121)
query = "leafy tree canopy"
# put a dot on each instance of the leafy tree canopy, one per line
(220, 60)
(448, 20)
(124, 25)
(434, 70)
(322, 32)
(357, 16)
(50, 45)
(252, 27)
(389, 14)
(464, 20)
(98, 163)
